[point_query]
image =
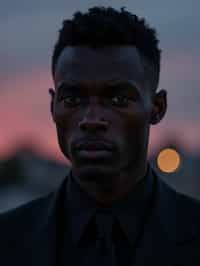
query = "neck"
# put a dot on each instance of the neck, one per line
(105, 193)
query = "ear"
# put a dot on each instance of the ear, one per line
(159, 107)
(52, 94)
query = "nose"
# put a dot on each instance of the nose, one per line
(93, 118)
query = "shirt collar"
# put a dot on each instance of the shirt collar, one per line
(128, 211)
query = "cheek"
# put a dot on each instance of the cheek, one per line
(135, 125)
(64, 125)
(64, 118)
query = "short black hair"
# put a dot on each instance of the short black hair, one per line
(101, 26)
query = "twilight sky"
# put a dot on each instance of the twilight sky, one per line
(29, 30)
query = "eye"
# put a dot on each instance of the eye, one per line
(119, 100)
(71, 100)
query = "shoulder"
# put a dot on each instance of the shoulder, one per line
(26, 215)
(188, 212)
(187, 229)
(22, 228)
(33, 205)
(182, 203)
(33, 215)
(188, 203)
(179, 213)
(30, 229)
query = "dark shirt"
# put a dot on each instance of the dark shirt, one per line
(128, 213)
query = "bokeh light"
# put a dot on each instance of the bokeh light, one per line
(169, 160)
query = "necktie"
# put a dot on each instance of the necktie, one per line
(104, 244)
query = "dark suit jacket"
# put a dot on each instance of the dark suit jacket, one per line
(28, 234)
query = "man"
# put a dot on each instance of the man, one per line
(105, 68)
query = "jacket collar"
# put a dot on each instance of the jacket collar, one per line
(172, 225)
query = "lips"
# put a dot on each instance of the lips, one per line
(94, 149)
(94, 146)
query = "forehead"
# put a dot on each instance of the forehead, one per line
(79, 63)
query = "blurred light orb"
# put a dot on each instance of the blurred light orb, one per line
(169, 160)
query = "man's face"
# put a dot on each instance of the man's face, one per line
(102, 108)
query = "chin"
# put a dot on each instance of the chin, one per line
(92, 173)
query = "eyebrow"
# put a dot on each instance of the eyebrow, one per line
(64, 86)
(125, 86)
(108, 87)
